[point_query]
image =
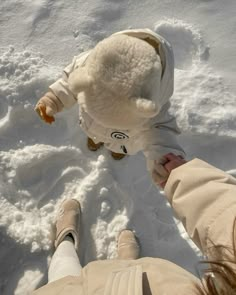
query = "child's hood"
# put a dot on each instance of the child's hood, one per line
(126, 79)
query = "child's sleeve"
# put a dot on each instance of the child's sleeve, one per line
(61, 87)
(161, 139)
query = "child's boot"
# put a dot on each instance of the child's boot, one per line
(128, 247)
(68, 221)
(92, 146)
(117, 156)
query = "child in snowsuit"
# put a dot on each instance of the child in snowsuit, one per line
(122, 86)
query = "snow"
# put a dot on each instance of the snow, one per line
(41, 165)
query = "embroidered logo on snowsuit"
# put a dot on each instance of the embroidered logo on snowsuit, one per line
(119, 135)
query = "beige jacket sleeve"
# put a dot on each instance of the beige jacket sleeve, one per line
(61, 87)
(204, 199)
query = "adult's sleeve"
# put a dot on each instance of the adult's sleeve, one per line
(204, 199)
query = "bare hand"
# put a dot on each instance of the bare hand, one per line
(173, 162)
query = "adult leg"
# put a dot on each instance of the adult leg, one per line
(65, 260)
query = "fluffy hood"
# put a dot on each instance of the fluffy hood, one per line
(119, 84)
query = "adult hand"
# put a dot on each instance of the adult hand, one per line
(172, 162)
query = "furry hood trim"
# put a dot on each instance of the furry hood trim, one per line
(120, 83)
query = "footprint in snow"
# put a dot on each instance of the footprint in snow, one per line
(187, 42)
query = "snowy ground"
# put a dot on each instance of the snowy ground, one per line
(41, 165)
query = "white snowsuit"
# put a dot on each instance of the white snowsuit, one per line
(155, 138)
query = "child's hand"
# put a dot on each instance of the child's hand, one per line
(42, 111)
(159, 174)
(47, 108)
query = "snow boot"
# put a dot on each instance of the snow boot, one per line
(68, 220)
(92, 146)
(117, 156)
(128, 247)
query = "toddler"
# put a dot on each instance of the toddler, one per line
(122, 86)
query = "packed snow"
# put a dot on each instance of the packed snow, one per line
(41, 165)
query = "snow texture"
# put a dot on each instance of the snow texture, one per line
(42, 165)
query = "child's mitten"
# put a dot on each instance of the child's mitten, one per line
(48, 106)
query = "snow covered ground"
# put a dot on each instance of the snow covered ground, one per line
(41, 165)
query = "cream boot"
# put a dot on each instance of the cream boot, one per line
(128, 247)
(68, 221)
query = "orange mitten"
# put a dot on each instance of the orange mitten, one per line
(42, 111)
(48, 106)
